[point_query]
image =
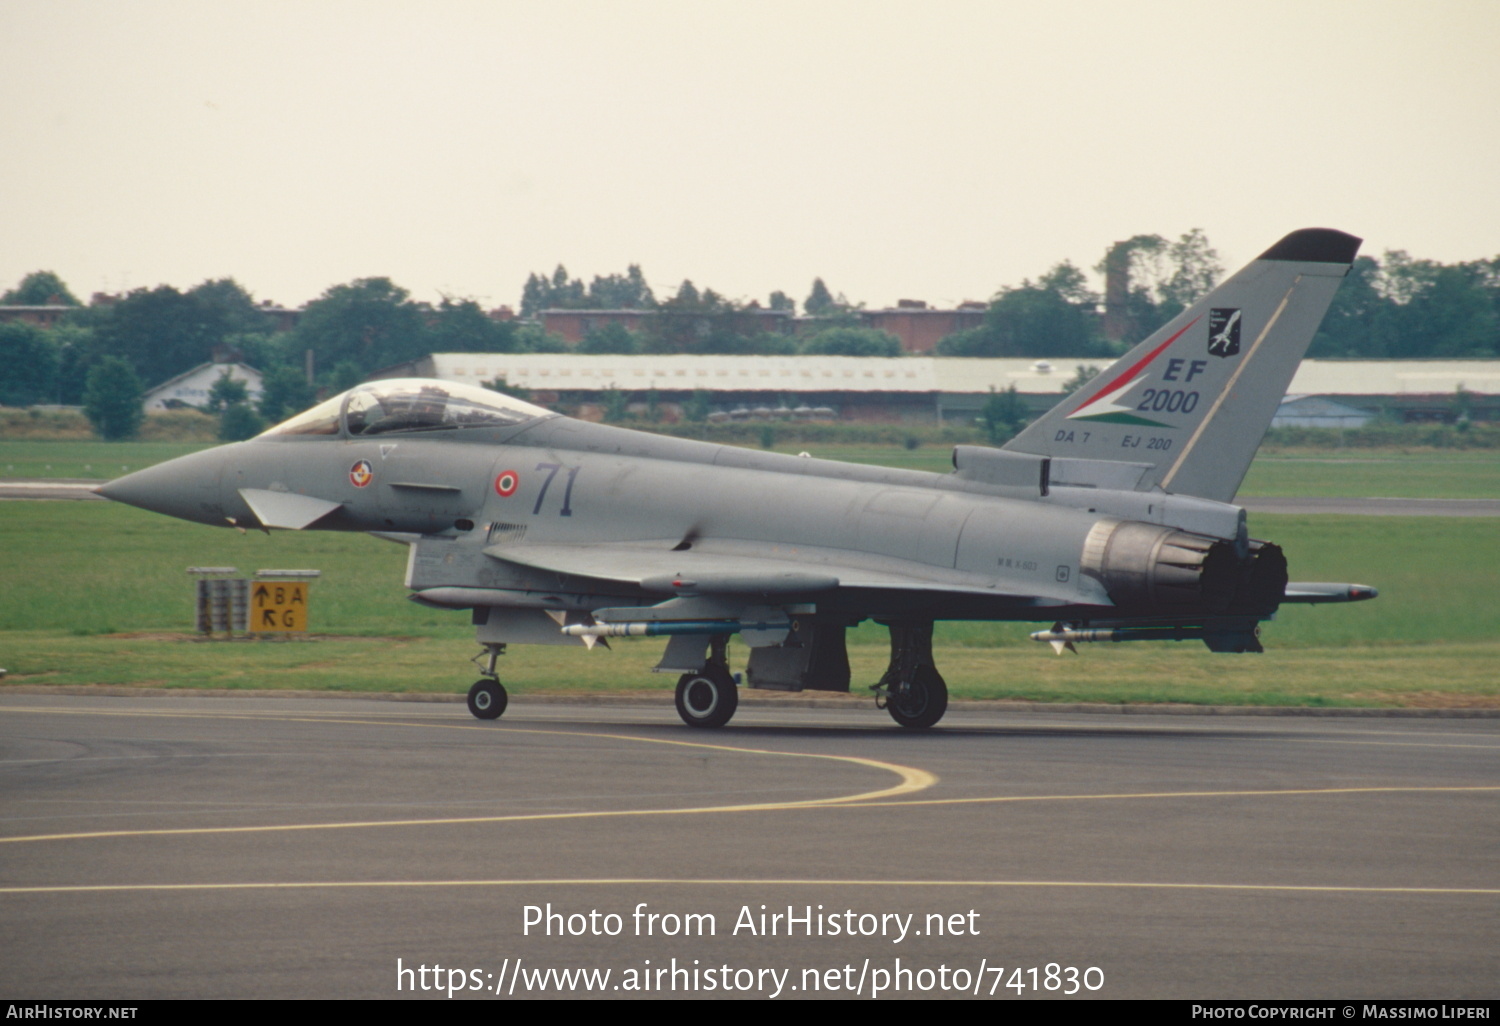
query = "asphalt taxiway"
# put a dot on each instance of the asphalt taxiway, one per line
(211, 847)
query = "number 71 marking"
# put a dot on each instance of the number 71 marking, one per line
(553, 468)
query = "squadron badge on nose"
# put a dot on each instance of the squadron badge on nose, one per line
(361, 474)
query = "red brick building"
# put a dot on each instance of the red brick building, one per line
(919, 327)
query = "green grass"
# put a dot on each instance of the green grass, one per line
(1435, 474)
(1430, 675)
(91, 459)
(96, 593)
(1432, 475)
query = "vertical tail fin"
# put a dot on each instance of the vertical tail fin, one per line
(1195, 399)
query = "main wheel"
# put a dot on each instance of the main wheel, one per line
(487, 699)
(920, 703)
(707, 698)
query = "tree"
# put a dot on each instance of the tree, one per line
(1003, 415)
(345, 375)
(614, 403)
(112, 400)
(841, 341)
(77, 353)
(686, 322)
(687, 294)
(1029, 321)
(239, 422)
(819, 301)
(284, 393)
(40, 288)
(162, 332)
(370, 322)
(699, 406)
(534, 295)
(1195, 270)
(1161, 278)
(1082, 376)
(613, 337)
(1070, 283)
(627, 291)
(462, 326)
(558, 292)
(231, 307)
(29, 363)
(1358, 322)
(781, 301)
(530, 338)
(1441, 310)
(227, 391)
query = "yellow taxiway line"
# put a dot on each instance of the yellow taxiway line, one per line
(749, 882)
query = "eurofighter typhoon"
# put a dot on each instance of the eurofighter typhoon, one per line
(1112, 517)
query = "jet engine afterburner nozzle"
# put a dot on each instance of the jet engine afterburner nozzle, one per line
(1151, 567)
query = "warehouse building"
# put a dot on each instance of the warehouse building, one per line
(923, 387)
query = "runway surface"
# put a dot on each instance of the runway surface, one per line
(209, 847)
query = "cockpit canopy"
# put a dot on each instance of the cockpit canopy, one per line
(403, 405)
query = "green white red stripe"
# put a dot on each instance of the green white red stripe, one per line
(1101, 405)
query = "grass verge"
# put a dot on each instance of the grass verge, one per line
(95, 594)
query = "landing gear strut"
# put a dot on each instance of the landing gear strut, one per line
(709, 697)
(487, 698)
(912, 690)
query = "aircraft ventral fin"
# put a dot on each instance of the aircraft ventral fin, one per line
(286, 510)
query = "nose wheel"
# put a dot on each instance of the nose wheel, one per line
(487, 699)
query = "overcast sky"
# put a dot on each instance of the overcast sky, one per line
(934, 150)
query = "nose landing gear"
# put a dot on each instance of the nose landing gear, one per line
(487, 698)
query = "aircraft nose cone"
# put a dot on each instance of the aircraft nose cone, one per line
(187, 487)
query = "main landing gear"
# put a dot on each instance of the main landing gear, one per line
(912, 690)
(487, 698)
(709, 697)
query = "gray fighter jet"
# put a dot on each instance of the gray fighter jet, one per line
(1111, 517)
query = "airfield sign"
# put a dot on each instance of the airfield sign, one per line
(278, 606)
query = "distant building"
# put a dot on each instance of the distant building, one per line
(190, 389)
(572, 325)
(920, 327)
(930, 388)
(45, 316)
(282, 318)
(1320, 412)
(852, 387)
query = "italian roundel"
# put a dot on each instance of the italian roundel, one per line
(506, 483)
(361, 474)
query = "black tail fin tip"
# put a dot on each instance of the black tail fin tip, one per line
(1315, 245)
